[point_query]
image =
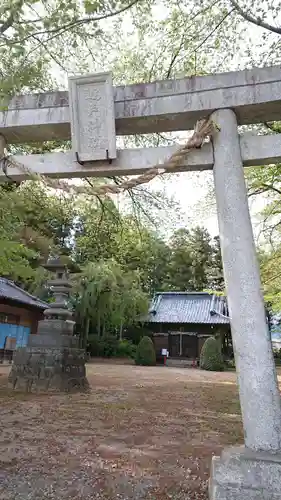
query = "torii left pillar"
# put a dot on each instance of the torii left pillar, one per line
(251, 472)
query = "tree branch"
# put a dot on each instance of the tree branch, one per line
(175, 55)
(273, 127)
(44, 45)
(269, 187)
(73, 24)
(272, 278)
(264, 188)
(7, 24)
(214, 30)
(257, 21)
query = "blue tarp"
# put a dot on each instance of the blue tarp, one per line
(15, 331)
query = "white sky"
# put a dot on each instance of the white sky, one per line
(191, 191)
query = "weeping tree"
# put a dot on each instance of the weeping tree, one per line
(107, 299)
(130, 303)
(94, 292)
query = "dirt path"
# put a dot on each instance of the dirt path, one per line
(142, 433)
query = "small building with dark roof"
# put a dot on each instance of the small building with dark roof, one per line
(19, 315)
(181, 321)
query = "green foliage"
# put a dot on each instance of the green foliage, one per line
(108, 298)
(195, 262)
(33, 223)
(34, 36)
(102, 346)
(139, 44)
(109, 346)
(215, 270)
(143, 251)
(211, 356)
(277, 356)
(121, 262)
(145, 354)
(15, 261)
(264, 184)
(97, 228)
(136, 332)
(230, 364)
(126, 349)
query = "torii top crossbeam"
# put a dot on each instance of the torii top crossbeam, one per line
(169, 105)
(95, 112)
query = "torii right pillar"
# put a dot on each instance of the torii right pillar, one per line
(253, 471)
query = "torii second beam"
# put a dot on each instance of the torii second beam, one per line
(255, 150)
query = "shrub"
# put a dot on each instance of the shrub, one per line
(230, 364)
(277, 356)
(126, 349)
(277, 353)
(211, 357)
(145, 354)
(109, 346)
(106, 346)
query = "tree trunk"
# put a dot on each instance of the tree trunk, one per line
(98, 325)
(86, 333)
(121, 331)
(103, 329)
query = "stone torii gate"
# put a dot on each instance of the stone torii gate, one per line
(92, 114)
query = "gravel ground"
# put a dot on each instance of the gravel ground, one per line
(142, 433)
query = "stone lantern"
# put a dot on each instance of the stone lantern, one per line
(52, 359)
(58, 314)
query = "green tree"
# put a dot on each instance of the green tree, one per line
(130, 302)
(265, 182)
(270, 261)
(95, 291)
(33, 223)
(35, 35)
(180, 272)
(192, 258)
(142, 250)
(108, 299)
(201, 253)
(96, 228)
(214, 273)
(103, 232)
(16, 260)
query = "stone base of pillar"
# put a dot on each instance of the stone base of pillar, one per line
(242, 474)
(49, 369)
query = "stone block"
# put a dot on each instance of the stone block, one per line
(49, 369)
(222, 493)
(243, 474)
(92, 117)
(55, 327)
(49, 340)
(180, 362)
